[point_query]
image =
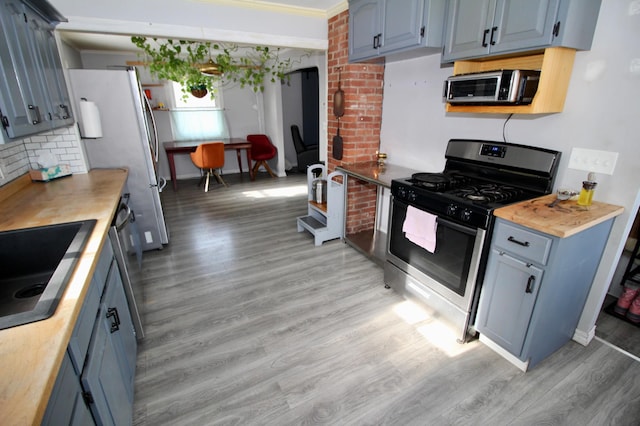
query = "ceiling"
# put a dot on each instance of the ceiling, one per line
(122, 43)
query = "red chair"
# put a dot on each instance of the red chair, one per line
(262, 150)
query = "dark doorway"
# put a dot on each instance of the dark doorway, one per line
(301, 107)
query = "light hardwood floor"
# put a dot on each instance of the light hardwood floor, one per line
(249, 324)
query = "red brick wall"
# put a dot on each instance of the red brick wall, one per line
(360, 126)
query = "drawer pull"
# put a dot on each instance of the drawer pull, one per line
(530, 282)
(522, 243)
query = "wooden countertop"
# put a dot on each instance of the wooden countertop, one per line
(563, 220)
(373, 173)
(31, 354)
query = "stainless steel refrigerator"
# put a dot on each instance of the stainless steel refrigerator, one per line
(129, 139)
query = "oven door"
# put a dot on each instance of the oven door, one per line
(451, 271)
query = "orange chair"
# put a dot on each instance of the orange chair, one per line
(261, 150)
(209, 156)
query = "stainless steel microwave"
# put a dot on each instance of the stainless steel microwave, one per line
(513, 87)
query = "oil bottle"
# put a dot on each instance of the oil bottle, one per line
(588, 188)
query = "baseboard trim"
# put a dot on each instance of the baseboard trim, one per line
(522, 365)
(629, 354)
(584, 338)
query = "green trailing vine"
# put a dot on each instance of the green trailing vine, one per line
(202, 64)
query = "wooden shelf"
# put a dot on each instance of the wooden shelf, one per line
(555, 65)
(319, 206)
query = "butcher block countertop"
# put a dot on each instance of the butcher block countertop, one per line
(31, 354)
(563, 220)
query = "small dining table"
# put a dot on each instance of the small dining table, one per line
(184, 147)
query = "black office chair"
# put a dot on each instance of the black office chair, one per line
(306, 154)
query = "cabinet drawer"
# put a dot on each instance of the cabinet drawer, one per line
(79, 341)
(526, 244)
(102, 269)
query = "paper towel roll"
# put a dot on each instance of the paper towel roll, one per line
(90, 125)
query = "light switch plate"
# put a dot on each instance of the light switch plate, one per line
(592, 160)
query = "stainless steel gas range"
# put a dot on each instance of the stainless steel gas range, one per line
(440, 223)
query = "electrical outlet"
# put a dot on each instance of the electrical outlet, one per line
(591, 160)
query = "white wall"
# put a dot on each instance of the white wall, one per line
(221, 21)
(602, 111)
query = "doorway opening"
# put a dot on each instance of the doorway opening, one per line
(301, 108)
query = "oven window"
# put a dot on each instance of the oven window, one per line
(449, 264)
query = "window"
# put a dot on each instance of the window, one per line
(197, 118)
(192, 101)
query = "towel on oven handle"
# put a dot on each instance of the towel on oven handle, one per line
(420, 228)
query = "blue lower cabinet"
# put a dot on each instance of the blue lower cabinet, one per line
(67, 405)
(110, 403)
(96, 381)
(535, 287)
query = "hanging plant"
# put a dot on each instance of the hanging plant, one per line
(199, 65)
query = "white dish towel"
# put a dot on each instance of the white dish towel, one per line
(420, 228)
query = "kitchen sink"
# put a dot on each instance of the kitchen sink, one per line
(36, 265)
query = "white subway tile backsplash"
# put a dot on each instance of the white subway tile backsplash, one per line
(17, 157)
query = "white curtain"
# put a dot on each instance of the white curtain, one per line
(189, 124)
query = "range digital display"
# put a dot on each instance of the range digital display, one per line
(493, 150)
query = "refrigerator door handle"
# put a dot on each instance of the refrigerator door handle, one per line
(156, 144)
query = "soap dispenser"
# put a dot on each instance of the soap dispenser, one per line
(588, 188)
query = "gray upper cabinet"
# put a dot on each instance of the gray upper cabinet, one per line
(364, 27)
(476, 28)
(33, 92)
(383, 27)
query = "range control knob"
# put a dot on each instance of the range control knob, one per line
(465, 215)
(452, 209)
(411, 196)
(402, 192)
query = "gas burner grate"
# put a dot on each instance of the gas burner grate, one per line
(438, 181)
(488, 192)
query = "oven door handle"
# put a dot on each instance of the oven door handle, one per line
(441, 220)
(457, 226)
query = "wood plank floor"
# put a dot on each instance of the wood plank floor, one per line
(248, 323)
(618, 332)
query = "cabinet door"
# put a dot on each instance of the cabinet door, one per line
(507, 300)
(402, 25)
(365, 23)
(22, 99)
(111, 403)
(46, 50)
(468, 28)
(123, 335)
(66, 405)
(522, 24)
